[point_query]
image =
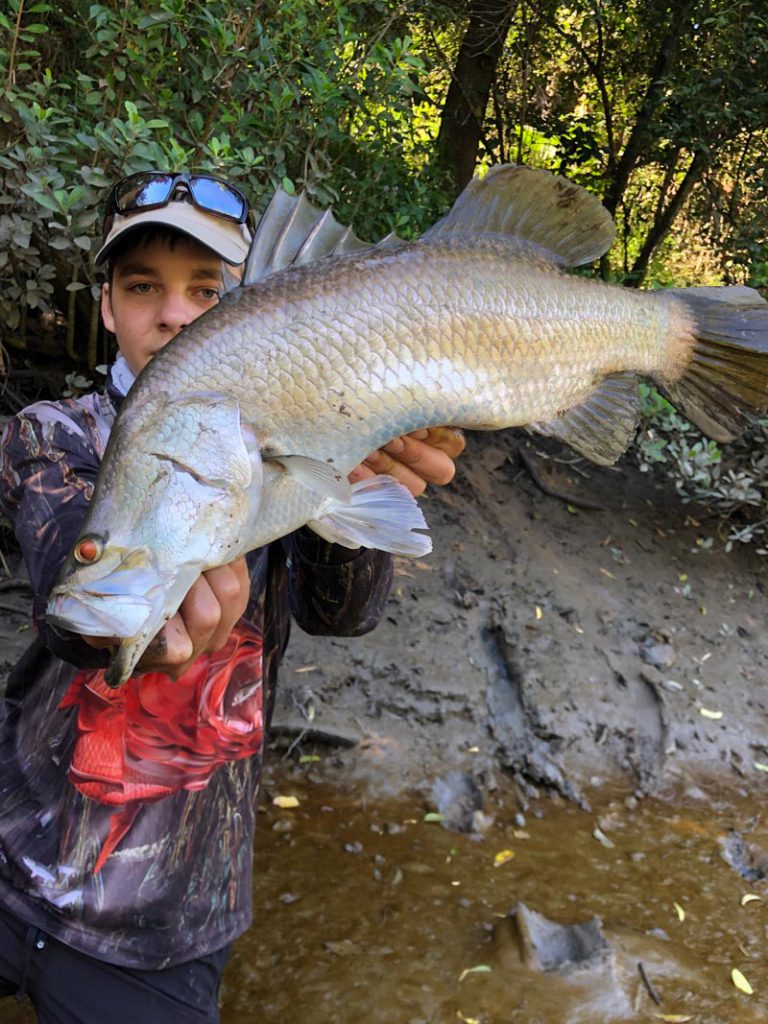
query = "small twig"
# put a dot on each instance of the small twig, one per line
(555, 492)
(11, 80)
(651, 990)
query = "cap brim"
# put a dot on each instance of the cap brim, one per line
(228, 240)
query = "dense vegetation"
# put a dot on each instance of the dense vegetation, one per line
(384, 110)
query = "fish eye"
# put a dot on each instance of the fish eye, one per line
(88, 550)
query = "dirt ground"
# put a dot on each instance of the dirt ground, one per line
(569, 631)
(579, 637)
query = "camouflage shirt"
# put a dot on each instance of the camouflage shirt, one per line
(127, 816)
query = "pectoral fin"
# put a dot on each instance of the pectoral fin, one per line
(316, 476)
(381, 513)
(602, 427)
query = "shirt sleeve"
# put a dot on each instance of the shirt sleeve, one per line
(334, 591)
(48, 468)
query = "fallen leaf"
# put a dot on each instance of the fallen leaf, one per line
(741, 982)
(602, 838)
(673, 1018)
(309, 758)
(706, 713)
(286, 802)
(502, 857)
(467, 1020)
(345, 947)
(750, 897)
(306, 668)
(539, 612)
(433, 816)
(679, 911)
(608, 574)
(478, 969)
(761, 767)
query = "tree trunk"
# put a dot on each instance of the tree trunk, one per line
(461, 126)
(666, 217)
(654, 95)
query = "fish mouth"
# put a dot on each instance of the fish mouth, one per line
(114, 598)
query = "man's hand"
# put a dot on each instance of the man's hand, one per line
(214, 603)
(415, 460)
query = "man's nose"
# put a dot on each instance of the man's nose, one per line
(176, 311)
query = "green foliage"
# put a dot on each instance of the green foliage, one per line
(316, 97)
(731, 481)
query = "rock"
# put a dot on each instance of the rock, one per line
(549, 946)
(460, 802)
(658, 654)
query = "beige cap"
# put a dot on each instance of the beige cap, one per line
(229, 240)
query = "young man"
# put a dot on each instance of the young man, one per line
(126, 816)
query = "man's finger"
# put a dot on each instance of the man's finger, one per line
(381, 462)
(450, 440)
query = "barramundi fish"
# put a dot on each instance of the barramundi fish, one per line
(246, 425)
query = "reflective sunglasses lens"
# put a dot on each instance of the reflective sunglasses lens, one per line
(143, 190)
(217, 197)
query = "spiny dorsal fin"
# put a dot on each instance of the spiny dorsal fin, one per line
(292, 231)
(602, 427)
(530, 204)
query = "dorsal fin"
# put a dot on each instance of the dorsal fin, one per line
(536, 207)
(292, 231)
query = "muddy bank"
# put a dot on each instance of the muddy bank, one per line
(584, 643)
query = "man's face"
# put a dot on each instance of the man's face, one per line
(155, 291)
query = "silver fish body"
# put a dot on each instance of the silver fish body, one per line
(245, 427)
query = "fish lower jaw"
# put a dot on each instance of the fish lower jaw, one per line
(90, 614)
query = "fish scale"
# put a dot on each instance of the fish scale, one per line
(246, 425)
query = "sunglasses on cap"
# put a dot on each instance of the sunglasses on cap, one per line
(150, 190)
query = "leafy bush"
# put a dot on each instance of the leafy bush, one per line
(733, 482)
(315, 97)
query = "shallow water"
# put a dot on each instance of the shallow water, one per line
(365, 912)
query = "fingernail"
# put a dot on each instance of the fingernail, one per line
(420, 435)
(374, 457)
(394, 446)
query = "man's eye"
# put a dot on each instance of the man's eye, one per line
(141, 287)
(209, 293)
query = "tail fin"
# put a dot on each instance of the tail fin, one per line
(727, 381)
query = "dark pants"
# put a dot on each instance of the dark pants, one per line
(67, 987)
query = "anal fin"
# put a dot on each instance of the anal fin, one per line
(602, 427)
(382, 514)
